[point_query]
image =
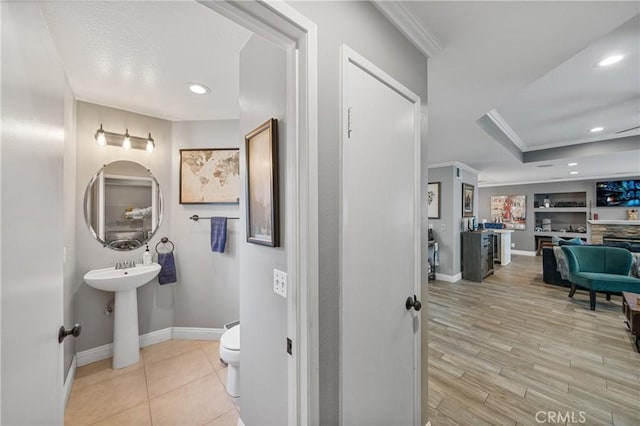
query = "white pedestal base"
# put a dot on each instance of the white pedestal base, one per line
(233, 381)
(126, 341)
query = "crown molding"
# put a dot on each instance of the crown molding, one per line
(574, 179)
(414, 31)
(506, 129)
(456, 164)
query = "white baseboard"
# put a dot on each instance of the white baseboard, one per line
(179, 333)
(197, 333)
(68, 381)
(157, 336)
(94, 355)
(449, 278)
(523, 252)
(240, 422)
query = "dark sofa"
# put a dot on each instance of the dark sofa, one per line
(550, 274)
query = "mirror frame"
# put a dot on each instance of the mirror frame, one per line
(85, 208)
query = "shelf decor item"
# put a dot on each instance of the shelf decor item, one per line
(510, 210)
(261, 148)
(467, 200)
(433, 200)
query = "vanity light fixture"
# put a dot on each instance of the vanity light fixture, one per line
(101, 138)
(150, 144)
(125, 141)
(610, 60)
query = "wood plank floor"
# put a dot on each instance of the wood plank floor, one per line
(506, 349)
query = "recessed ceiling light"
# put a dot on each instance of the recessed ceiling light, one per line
(596, 129)
(575, 172)
(610, 60)
(198, 88)
(572, 164)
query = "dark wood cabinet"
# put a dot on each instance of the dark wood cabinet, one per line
(477, 255)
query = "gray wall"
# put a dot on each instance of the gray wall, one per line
(525, 240)
(363, 28)
(263, 314)
(444, 237)
(155, 303)
(451, 215)
(207, 294)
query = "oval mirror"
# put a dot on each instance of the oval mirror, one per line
(123, 205)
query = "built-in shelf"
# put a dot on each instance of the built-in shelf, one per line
(561, 210)
(560, 234)
(571, 215)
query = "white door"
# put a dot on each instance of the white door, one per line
(32, 231)
(380, 248)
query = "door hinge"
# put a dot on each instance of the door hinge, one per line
(349, 129)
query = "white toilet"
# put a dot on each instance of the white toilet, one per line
(230, 353)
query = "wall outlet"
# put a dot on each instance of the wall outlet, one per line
(442, 227)
(280, 283)
(513, 245)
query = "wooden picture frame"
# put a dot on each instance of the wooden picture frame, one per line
(433, 200)
(210, 176)
(467, 200)
(261, 159)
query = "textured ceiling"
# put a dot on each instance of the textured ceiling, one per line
(494, 50)
(138, 56)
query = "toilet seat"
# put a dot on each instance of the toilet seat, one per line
(231, 339)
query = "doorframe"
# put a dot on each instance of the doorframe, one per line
(350, 56)
(284, 26)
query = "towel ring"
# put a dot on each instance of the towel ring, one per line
(165, 240)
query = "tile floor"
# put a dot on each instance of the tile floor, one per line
(177, 382)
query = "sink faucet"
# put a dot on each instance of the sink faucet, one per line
(126, 264)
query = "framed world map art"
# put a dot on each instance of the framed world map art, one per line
(209, 175)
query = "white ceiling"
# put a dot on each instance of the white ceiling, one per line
(138, 56)
(559, 108)
(526, 60)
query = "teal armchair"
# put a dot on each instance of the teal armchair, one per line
(600, 269)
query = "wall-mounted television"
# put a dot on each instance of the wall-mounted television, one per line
(618, 193)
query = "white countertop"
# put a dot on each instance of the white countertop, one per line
(502, 231)
(614, 222)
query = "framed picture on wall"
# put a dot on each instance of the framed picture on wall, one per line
(209, 175)
(467, 200)
(433, 200)
(510, 210)
(261, 148)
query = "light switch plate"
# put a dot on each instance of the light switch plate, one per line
(280, 283)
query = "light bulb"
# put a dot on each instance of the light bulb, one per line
(150, 144)
(101, 138)
(126, 142)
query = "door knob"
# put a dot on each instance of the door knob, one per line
(413, 302)
(62, 333)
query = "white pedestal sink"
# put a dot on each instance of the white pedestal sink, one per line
(126, 341)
